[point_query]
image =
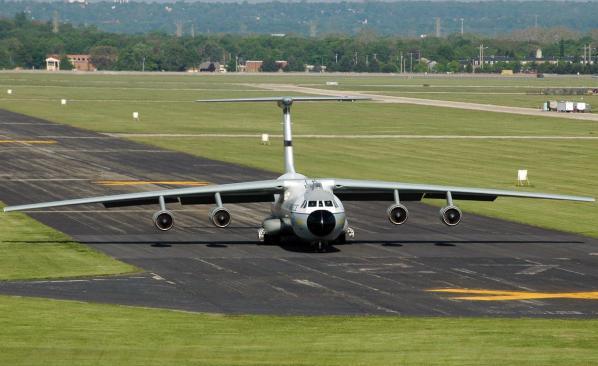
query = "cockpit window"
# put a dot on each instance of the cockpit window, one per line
(312, 203)
(328, 203)
(320, 204)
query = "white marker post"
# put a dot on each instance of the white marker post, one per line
(9, 91)
(265, 139)
(63, 101)
(522, 178)
(136, 116)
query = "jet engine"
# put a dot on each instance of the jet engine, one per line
(397, 214)
(164, 220)
(220, 217)
(272, 226)
(450, 215)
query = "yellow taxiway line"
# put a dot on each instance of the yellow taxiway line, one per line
(497, 295)
(42, 142)
(143, 182)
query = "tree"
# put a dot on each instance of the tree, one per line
(65, 63)
(103, 57)
(269, 65)
(231, 65)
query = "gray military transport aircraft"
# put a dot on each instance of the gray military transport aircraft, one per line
(310, 209)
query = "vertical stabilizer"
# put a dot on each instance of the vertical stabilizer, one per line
(289, 162)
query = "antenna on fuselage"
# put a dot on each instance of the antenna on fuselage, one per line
(285, 104)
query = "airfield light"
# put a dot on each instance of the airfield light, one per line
(136, 116)
(9, 91)
(63, 101)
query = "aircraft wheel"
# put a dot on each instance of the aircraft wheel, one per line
(271, 239)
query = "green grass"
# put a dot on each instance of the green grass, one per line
(30, 250)
(55, 332)
(105, 104)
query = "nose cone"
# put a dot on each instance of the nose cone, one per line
(321, 222)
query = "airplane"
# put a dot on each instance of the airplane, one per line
(310, 209)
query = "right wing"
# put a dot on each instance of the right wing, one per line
(258, 191)
(371, 190)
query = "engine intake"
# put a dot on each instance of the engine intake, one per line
(220, 217)
(397, 214)
(163, 220)
(450, 215)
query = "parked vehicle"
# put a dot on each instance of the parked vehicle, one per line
(565, 106)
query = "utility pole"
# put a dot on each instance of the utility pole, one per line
(367, 60)
(410, 61)
(55, 22)
(143, 64)
(437, 27)
(192, 30)
(179, 28)
(402, 67)
(336, 58)
(481, 56)
(461, 26)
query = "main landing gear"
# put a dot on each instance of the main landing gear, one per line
(267, 239)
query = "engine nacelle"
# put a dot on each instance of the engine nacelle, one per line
(220, 217)
(450, 215)
(163, 220)
(397, 214)
(272, 226)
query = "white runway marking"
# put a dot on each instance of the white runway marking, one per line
(535, 269)
(431, 137)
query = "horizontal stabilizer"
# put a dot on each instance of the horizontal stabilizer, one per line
(286, 100)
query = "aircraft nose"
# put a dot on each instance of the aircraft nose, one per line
(321, 222)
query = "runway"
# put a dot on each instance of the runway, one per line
(483, 267)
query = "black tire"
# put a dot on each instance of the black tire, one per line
(271, 239)
(342, 239)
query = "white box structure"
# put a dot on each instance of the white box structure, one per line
(9, 91)
(522, 179)
(136, 116)
(63, 101)
(265, 139)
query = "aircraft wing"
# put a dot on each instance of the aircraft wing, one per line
(258, 191)
(367, 190)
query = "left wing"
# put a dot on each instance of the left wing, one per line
(258, 191)
(368, 190)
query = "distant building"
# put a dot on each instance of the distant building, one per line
(209, 66)
(253, 66)
(281, 64)
(52, 64)
(79, 62)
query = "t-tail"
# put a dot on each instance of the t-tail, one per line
(285, 104)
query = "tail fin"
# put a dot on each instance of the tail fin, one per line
(285, 104)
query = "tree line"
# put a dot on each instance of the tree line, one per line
(25, 43)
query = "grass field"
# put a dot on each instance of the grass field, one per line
(30, 250)
(63, 332)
